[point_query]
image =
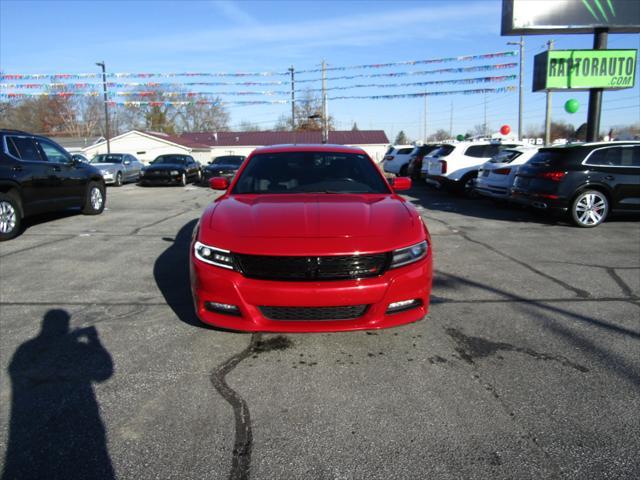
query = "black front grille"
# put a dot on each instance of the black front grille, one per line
(348, 312)
(312, 268)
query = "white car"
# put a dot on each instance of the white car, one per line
(496, 176)
(397, 160)
(456, 165)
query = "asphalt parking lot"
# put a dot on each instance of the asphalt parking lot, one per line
(527, 366)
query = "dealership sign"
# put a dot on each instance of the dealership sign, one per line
(538, 17)
(584, 69)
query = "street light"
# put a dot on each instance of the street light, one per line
(520, 91)
(106, 106)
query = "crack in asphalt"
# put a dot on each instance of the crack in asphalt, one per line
(579, 292)
(624, 286)
(479, 347)
(549, 308)
(153, 224)
(243, 444)
(457, 230)
(471, 348)
(241, 460)
(33, 247)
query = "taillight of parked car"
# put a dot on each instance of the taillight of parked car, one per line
(443, 166)
(502, 171)
(553, 176)
(387, 157)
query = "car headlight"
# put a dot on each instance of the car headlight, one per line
(214, 256)
(174, 172)
(407, 255)
(105, 172)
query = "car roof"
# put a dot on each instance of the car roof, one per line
(320, 147)
(592, 145)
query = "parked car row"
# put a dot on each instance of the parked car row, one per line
(170, 169)
(585, 181)
(456, 165)
(37, 175)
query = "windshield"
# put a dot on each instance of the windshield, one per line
(107, 159)
(310, 172)
(228, 160)
(166, 159)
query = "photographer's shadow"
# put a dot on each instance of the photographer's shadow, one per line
(56, 431)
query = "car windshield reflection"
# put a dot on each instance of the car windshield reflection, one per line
(310, 172)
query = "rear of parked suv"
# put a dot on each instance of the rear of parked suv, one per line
(456, 165)
(588, 181)
(397, 161)
(37, 175)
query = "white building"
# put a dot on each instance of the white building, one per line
(205, 146)
(374, 142)
(146, 146)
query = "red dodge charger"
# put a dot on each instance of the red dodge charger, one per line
(310, 238)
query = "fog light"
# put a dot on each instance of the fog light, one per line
(404, 305)
(223, 308)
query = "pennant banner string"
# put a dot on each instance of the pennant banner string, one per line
(69, 76)
(427, 94)
(480, 68)
(82, 86)
(464, 58)
(162, 94)
(284, 102)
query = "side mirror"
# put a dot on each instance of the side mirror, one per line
(127, 162)
(401, 183)
(219, 183)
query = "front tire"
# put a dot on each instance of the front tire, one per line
(118, 180)
(94, 200)
(10, 216)
(589, 209)
(467, 184)
(183, 180)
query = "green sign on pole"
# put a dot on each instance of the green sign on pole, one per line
(584, 69)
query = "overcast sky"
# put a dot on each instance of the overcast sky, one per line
(208, 36)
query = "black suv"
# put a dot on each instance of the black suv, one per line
(588, 180)
(37, 175)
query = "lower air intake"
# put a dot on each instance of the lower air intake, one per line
(349, 312)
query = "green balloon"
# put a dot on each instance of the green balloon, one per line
(460, 138)
(571, 106)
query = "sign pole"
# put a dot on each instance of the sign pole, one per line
(595, 94)
(547, 114)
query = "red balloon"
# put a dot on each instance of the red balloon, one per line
(505, 129)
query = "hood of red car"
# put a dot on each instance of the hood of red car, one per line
(310, 224)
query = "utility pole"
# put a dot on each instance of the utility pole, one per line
(547, 115)
(451, 120)
(520, 89)
(595, 94)
(106, 105)
(424, 133)
(325, 109)
(485, 115)
(293, 99)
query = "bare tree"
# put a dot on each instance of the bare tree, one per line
(439, 136)
(247, 126)
(202, 117)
